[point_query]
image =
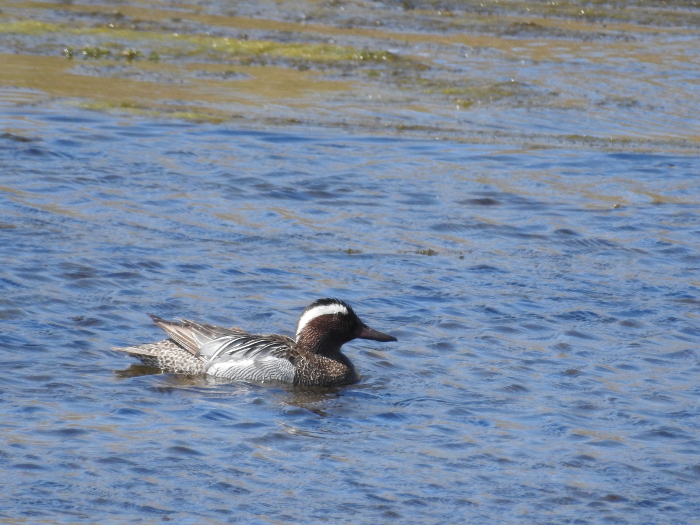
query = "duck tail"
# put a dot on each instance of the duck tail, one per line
(166, 355)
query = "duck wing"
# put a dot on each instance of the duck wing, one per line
(190, 335)
(234, 353)
(251, 357)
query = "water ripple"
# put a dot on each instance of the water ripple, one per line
(547, 361)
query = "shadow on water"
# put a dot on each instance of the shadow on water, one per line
(139, 370)
(307, 398)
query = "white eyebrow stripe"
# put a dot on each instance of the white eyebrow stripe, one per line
(317, 311)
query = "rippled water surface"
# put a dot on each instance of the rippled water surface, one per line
(546, 303)
(509, 188)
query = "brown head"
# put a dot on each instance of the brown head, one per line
(328, 324)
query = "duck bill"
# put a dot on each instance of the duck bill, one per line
(366, 332)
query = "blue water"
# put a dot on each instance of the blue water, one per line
(546, 303)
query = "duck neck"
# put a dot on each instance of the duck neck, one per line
(310, 343)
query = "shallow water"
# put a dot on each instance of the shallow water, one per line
(621, 76)
(545, 300)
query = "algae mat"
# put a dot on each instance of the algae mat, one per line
(546, 74)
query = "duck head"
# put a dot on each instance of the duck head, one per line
(328, 324)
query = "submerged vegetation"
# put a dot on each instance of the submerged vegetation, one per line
(177, 44)
(360, 66)
(467, 95)
(647, 12)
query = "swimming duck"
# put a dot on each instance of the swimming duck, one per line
(312, 358)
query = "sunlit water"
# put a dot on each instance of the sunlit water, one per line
(546, 304)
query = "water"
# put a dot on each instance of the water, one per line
(514, 197)
(545, 300)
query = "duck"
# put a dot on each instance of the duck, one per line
(312, 358)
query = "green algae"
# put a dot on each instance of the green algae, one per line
(465, 95)
(167, 47)
(100, 53)
(191, 45)
(305, 51)
(136, 108)
(28, 27)
(95, 52)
